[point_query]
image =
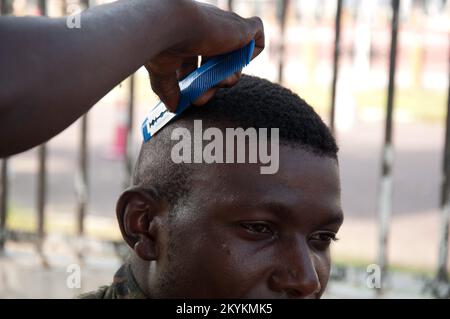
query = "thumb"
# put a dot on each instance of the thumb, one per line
(166, 87)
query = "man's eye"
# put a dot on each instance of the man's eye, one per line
(258, 228)
(324, 238)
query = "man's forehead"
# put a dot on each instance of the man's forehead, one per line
(301, 174)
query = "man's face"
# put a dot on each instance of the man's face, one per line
(247, 235)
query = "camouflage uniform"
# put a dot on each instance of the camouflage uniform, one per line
(124, 286)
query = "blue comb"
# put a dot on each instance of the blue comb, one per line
(195, 85)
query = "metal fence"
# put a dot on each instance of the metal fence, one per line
(386, 170)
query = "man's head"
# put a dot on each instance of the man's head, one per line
(224, 230)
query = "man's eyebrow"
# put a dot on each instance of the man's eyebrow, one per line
(336, 216)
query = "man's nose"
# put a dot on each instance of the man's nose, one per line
(296, 275)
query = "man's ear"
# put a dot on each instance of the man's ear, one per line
(136, 210)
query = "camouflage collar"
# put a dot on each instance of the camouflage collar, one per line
(124, 285)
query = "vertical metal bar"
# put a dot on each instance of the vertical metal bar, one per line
(230, 5)
(42, 194)
(336, 55)
(282, 11)
(6, 8)
(3, 202)
(43, 7)
(82, 186)
(442, 270)
(42, 175)
(130, 119)
(385, 199)
(42, 179)
(82, 176)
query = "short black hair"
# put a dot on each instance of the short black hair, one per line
(252, 102)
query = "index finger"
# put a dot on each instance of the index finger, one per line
(256, 29)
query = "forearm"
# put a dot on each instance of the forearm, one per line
(50, 74)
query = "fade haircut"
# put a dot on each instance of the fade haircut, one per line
(252, 103)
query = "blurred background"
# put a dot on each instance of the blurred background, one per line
(376, 71)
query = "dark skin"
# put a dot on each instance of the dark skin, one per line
(51, 75)
(241, 234)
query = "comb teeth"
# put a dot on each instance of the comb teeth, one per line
(228, 66)
(212, 73)
(196, 84)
